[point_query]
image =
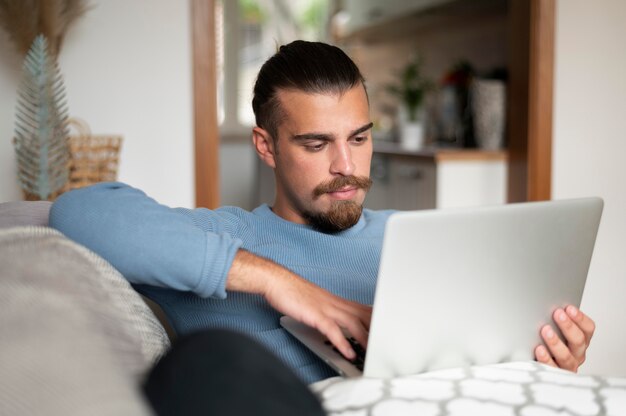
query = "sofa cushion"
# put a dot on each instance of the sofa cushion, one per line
(20, 213)
(132, 330)
(24, 213)
(75, 337)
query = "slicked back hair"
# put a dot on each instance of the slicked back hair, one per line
(311, 67)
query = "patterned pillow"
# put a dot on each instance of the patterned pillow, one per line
(132, 330)
(522, 388)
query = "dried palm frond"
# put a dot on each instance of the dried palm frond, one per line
(25, 19)
(41, 133)
(20, 20)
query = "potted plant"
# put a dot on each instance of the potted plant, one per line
(37, 28)
(410, 89)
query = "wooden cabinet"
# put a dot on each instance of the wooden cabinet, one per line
(402, 182)
(436, 178)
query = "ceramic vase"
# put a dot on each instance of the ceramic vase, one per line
(488, 104)
(412, 135)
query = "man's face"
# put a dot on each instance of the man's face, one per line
(322, 158)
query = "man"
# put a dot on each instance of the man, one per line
(313, 255)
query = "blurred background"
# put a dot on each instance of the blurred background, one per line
(553, 72)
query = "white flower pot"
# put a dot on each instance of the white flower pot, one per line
(412, 135)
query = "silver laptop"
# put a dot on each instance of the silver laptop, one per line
(470, 286)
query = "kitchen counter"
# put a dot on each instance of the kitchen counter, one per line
(436, 177)
(439, 154)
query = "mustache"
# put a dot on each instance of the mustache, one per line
(359, 182)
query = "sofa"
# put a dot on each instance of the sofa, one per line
(77, 339)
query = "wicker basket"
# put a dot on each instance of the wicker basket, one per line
(93, 158)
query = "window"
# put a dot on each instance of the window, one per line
(248, 33)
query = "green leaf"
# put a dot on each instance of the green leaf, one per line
(410, 87)
(41, 135)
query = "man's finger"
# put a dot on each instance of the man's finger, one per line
(355, 318)
(576, 339)
(357, 330)
(366, 316)
(586, 324)
(333, 332)
(543, 356)
(559, 351)
(363, 312)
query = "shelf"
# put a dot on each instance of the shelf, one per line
(370, 22)
(440, 154)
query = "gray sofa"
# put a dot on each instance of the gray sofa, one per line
(76, 338)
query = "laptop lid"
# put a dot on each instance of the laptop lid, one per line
(471, 286)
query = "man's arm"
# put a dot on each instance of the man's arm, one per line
(155, 245)
(147, 242)
(577, 328)
(292, 295)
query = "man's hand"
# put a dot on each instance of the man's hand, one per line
(577, 328)
(294, 296)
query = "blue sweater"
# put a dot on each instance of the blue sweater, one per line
(180, 258)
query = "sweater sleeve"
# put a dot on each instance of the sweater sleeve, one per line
(147, 242)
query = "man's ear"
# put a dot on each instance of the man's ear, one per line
(264, 146)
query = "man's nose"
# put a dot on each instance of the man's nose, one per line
(342, 163)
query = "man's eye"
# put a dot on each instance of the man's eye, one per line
(359, 139)
(315, 147)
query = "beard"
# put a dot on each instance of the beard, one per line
(342, 214)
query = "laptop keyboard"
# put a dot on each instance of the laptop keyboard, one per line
(359, 360)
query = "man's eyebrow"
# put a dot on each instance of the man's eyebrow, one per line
(312, 137)
(328, 136)
(362, 129)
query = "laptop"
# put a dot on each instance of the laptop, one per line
(469, 286)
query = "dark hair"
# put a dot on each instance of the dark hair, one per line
(311, 67)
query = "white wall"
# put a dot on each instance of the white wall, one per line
(588, 156)
(127, 70)
(238, 175)
(10, 65)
